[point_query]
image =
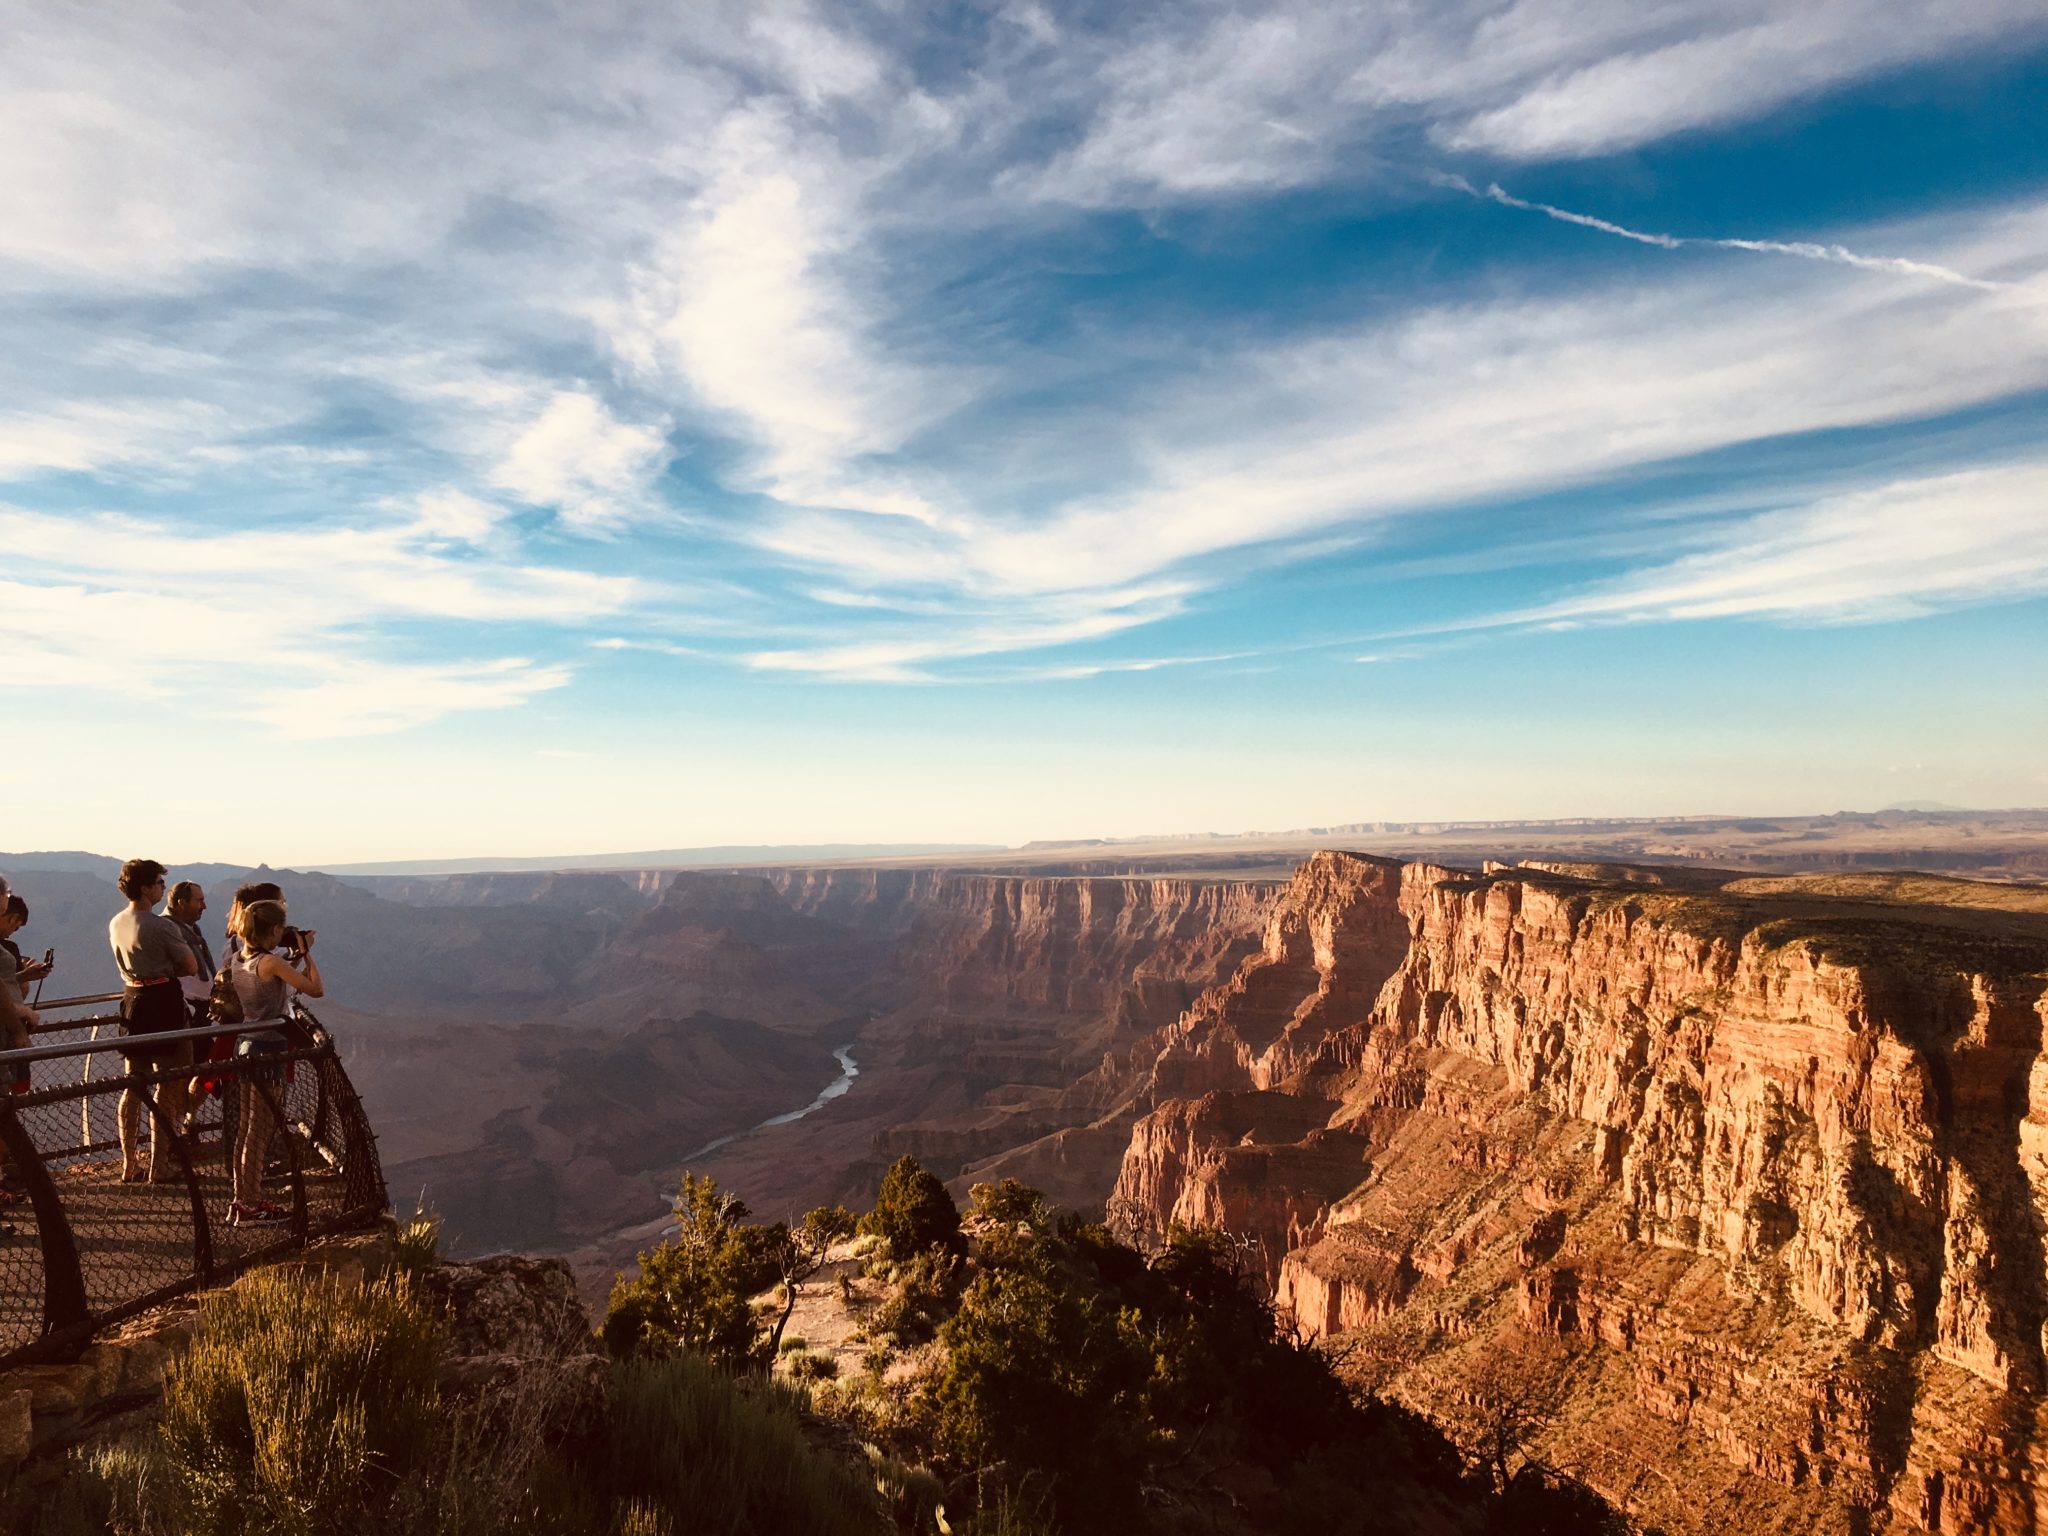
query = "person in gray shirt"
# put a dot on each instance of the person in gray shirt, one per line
(185, 906)
(152, 954)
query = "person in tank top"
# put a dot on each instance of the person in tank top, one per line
(265, 982)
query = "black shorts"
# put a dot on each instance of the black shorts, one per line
(152, 1011)
(253, 1047)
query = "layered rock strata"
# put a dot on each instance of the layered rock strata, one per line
(1754, 1180)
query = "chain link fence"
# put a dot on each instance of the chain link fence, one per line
(86, 1247)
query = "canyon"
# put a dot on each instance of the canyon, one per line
(1725, 1189)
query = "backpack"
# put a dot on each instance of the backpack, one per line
(225, 1005)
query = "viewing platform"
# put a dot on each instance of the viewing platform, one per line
(90, 1250)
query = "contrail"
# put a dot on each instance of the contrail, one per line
(1806, 250)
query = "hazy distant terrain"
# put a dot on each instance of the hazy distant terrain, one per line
(2007, 844)
(542, 1050)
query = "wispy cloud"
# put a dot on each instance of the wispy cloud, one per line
(752, 305)
(1215, 99)
(1903, 549)
(125, 606)
(1453, 404)
(924, 656)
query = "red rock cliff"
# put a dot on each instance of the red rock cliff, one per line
(1763, 1172)
(1062, 943)
(1010, 1002)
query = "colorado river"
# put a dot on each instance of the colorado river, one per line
(849, 1069)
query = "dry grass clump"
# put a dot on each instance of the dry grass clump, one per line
(304, 1409)
(310, 1407)
(684, 1437)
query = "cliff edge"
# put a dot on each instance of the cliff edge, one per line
(1749, 1175)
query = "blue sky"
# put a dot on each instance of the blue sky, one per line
(431, 432)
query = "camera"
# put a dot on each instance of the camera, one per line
(293, 939)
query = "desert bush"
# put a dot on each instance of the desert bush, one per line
(1007, 1203)
(303, 1409)
(692, 1290)
(812, 1365)
(922, 1297)
(912, 1495)
(913, 1212)
(687, 1440)
(1043, 1377)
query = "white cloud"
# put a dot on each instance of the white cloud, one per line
(581, 460)
(1898, 550)
(85, 436)
(455, 516)
(1458, 403)
(271, 628)
(752, 304)
(437, 254)
(1724, 63)
(1216, 99)
(921, 656)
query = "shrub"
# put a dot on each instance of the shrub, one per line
(913, 1496)
(1040, 1375)
(913, 1212)
(922, 1298)
(692, 1290)
(304, 1408)
(1006, 1203)
(686, 1440)
(812, 1365)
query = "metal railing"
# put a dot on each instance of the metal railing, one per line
(87, 1249)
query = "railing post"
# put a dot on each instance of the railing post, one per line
(64, 1303)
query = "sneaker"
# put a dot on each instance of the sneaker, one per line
(261, 1214)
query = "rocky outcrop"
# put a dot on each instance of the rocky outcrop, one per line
(1768, 1168)
(515, 1326)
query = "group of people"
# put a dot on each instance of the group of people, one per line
(170, 987)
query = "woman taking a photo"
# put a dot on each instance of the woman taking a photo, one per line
(264, 982)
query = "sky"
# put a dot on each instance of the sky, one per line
(434, 429)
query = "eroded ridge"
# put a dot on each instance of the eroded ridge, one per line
(1753, 1172)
